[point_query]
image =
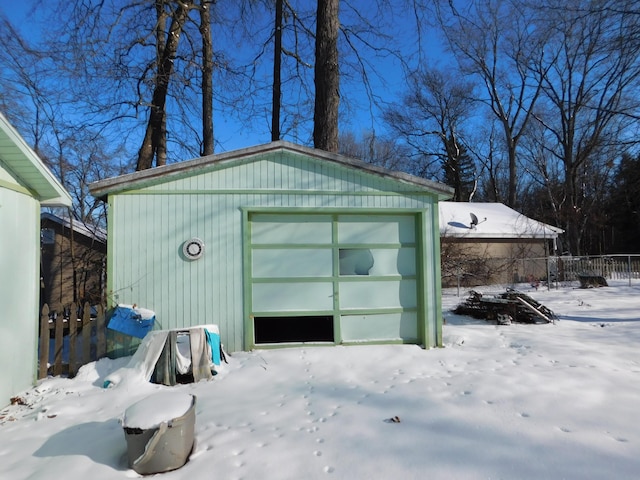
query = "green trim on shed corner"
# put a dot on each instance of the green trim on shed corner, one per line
(437, 272)
(249, 333)
(423, 321)
(113, 350)
(34, 311)
(111, 300)
(335, 278)
(431, 278)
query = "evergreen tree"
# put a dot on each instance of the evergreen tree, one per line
(459, 171)
(624, 206)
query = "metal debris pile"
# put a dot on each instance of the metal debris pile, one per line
(505, 308)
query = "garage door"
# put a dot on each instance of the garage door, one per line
(333, 278)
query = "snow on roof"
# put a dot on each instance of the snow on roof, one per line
(494, 220)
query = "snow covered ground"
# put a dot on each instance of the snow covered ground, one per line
(513, 402)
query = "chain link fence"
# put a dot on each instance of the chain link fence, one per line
(549, 272)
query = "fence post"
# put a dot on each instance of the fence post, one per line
(86, 334)
(73, 336)
(58, 341)
(43, 359)
(101, 333)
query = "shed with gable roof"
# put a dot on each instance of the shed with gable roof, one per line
(279, 244)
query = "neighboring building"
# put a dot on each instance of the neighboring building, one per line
(491, 243)
(279, 244)
(26, 184)
(73, 261)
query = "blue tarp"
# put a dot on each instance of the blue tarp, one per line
(132, 321)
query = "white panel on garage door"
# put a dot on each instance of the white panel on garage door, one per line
(385, 261)
(391, 229)
(282, 297)
(379, 294)
(291, 229)
(385, 326)
(294, 262)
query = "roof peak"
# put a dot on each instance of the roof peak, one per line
(104, 187)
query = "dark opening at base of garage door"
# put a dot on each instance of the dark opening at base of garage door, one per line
(293, 329)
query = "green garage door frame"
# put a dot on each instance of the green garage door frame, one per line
(426, 329)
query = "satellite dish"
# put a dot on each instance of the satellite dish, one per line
(474, 220)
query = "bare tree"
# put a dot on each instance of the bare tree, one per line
(359, 34)
(154, 142)
(494, 41)
(207, 77)
(492, 171)
(327, 77)
(277, 71)
(542, 196)
(383, 152)
(77, 154)
(591, 105)
(431, 119)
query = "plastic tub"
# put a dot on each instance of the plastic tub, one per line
(159, 431)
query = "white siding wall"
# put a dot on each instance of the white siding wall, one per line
(19, 291)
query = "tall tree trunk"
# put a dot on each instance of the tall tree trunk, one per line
(327, 77)
(160, 135)
(572, 208)
(277, 84)
(207, 78)
(513, 174)
(154, 144)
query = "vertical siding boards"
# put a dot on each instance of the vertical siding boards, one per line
(149, 225)
(25, 185)
(20, 237)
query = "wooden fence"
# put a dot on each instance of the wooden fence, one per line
(69, 338)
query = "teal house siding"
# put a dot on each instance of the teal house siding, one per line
(249, 278)
(25, 185)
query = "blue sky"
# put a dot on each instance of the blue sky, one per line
(361, 116)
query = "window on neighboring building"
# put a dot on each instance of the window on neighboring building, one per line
(48, 236)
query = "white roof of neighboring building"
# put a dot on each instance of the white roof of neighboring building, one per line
(89, 231)
(495, 220)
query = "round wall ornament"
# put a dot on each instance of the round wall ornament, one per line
(193, 248)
